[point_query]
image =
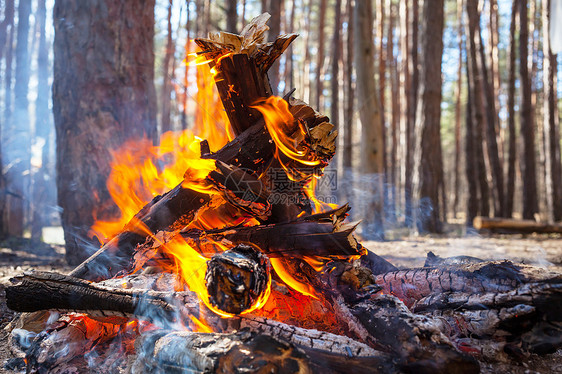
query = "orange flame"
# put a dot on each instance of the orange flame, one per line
(140, 170)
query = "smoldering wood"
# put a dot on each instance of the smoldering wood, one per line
(69, 337)
(411, 285)
(243, 351)
(237, 278)
(36, 291)
(417, 340)
(510, 225)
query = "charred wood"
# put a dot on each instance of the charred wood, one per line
(417, 340)
(411, 285)
(51, 291)
(245, 351)
(237, 279)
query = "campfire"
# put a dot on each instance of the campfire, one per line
(238, 267)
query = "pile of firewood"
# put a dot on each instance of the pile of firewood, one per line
(354, 312)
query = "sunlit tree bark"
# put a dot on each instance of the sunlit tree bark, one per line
(371, 121)
(103, 94)
(428, 139)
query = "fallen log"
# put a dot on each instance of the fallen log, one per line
(510, 225)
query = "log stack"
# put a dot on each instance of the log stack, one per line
(285, 289)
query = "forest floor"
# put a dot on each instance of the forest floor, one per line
(17, 256)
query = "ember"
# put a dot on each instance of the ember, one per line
(206, 271)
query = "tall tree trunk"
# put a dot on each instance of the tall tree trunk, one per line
(430, 165)
(42, 125)
(186, 68)
(290, 69)
(405, 84)
(274, 31)
(411, 106)
(551, 125)
(335, 82)
(165, 96)
(458, 109)
(371, 121)
(472, 205)
(231, 16)
(494, 58)
(395, 108)
(492, 120)
(98, 103)
(348, 118)
(478, 111)
(320, 55)
(9, 11)
(530, 203)
(17, 149)
(510, 190)
(306, 85)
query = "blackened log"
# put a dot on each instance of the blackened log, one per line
(417, 340)
(237, 279)
(246, 351)
(410, 285)
(283, 239)
(36, 291)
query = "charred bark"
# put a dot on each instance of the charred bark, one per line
(236, 279)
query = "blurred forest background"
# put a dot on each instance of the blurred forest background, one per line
(446, 109)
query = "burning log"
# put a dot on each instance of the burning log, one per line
(516, 225)
(37, 291)
(238, 279)
(244, 351)
(315, 235)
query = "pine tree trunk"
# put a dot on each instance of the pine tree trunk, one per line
(530, 204)
(17, 146)
(165, 96)
(348, 118)
(320, 56)
(9, 10)
(98, 103)
(412, 92)
(478, 110)
(274, 31)
(510, 190)
(42, 125)
(405, 83)
(429, 168)
(458, 109)
(395, 109)
(371, 121)
(492, 120)
(472, 205)
(551, 125)
(231, 16)
(335, 82)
